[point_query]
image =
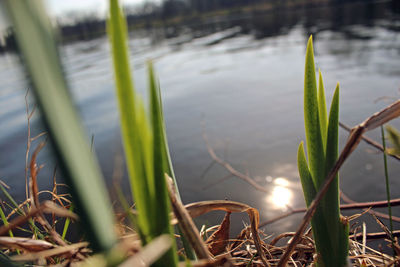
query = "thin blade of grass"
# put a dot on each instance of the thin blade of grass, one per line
(117, 32)
(36, 42)
(387, 184)
(5, 222)
(160, 163)
(18, 209)
(11, 199)
(67, 223)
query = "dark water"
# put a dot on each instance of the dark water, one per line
(243, 79)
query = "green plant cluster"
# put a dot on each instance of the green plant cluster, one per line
(330, 230)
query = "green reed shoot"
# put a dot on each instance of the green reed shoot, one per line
(387, 188)
(329, 230)
(38, 49)
(144, 141)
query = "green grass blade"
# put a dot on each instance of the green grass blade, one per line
(11, 199)
(36, 42)
(127, 103)
(161, 166)
(144, 141)
(323, 120)
(67, 223)
(331, 200)
(305, 176)
(14, 205)
(5, 222)
(315, 149)
(161, 142)
(387, 189)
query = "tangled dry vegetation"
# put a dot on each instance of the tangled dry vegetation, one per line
(40, 243)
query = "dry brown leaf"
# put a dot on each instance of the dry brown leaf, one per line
(218, 241)
(199, 208)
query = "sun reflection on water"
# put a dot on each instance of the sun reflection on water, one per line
(281, 195)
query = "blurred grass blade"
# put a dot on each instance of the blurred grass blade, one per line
(144, 141)
(157, 118)
(67, 223)
(36, 42)
(150, 253)
(127, 109)
(161, 150)
(6, 261)
(394, 137)
(161, 160)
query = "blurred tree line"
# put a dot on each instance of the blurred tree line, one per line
(154, 14)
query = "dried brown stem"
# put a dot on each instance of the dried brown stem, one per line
(378, 205)
(354, 205)
(34, 172)
(186, 223)
(47, 207)
(378, 235)
(369, 141)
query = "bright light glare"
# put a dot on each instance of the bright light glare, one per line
(281, 196)
(280, 181)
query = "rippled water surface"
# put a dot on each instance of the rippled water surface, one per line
(240, 82)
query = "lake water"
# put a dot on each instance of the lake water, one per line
(240, 80)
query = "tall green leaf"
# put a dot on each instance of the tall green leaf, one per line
(116, 27)
(144, 141)
(315, 150)
(305, 176)
(39, 52)
(332, 196)
(322, 108)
